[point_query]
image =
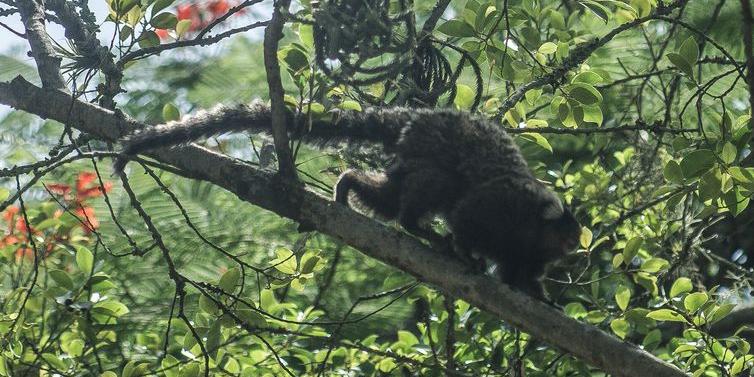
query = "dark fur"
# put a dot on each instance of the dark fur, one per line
(447, 163)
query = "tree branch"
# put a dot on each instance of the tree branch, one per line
(272, 35)
(376, 240)
(48, 64)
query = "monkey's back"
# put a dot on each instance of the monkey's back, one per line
(467, 146)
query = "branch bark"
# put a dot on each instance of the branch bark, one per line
(376, 240)
(48, 64)
(272, 35)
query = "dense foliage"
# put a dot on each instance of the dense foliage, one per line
(637, 112)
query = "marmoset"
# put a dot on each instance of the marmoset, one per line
(446, 163)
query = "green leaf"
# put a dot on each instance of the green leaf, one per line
(654, 265)
(169, 366)
(742, 175)
(597, 9)
(309, 262)
(620, 327)
(617, 260)
(182, 27)
(595, 316)
(112, 307)
(710, 186)
(697, 162)
(76, 347)
(149, 39)
(622, 297)
(170, 112)
(230, 279)
(4, 193)
(689, 51)
(673, 172)
(681, 285)
(548, 48)
(593, 114)
(61, 278)
(457, 28)
(666, 315)
(562, 52)
(538, 139)
(251, 317)
(729, 153)
(214, 338)
(588, 77)
(164, 20)
(721, 312)
(631, 248)
(585, 93)
(575, 310)
(533, 95)
(681, 63)
(735, 201)
(54, 361)
(306, 35)
(694, 301)
(160, 5)
(207, 305)
(350, 105)
(464, 96)
(652, 339)
(190, 370)
(585, 238)
(741, 363)
(286, 261)
(294, 58)
(84, 259)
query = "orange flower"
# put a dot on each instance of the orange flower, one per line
(162, 33)
(86, 214)
(218, 8)
(87, 187)
(24, 252)
(85, 191)
(9, 215)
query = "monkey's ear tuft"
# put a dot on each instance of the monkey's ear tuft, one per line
(553, 211)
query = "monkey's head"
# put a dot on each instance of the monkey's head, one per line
(561, 230)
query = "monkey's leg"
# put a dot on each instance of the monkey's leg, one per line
(378, 192)
(425, 191)
(524, 275)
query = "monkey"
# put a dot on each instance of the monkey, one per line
(455, 165)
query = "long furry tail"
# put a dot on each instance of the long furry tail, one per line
(372, 125)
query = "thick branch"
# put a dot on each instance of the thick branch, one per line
(372, 238)
(88, 45)
(272, 35)
(48, 64)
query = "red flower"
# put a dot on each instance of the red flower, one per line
(24, 252)
(17, 233)
(60, 189)
(86, 214)
(9, 215)
(87, 187)
(218, 8)
(162, 33)
(190, 12)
